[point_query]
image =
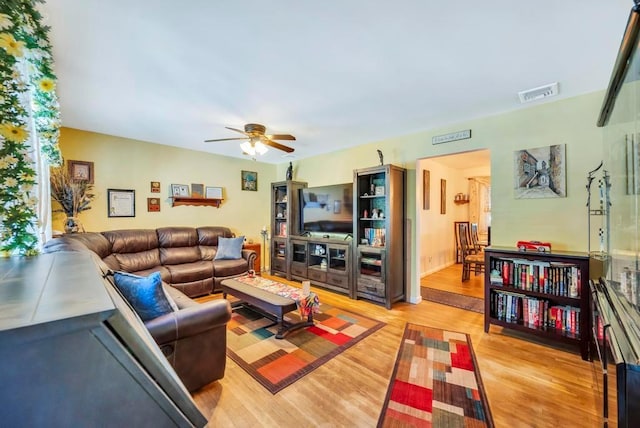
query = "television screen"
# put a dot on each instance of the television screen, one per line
(327, 209)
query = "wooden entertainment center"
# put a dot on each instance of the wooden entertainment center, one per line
(368, 263)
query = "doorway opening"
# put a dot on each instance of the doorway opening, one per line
(455, 188)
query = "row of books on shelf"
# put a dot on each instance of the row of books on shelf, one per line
(374, 236)
(557, 278)
(535, 313)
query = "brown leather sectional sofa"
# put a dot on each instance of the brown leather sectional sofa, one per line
(184, 256)
(193, 338)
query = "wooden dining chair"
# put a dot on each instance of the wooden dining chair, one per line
(475, 241)
(456, 230)
(471, 259)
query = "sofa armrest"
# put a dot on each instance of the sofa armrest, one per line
(250, 256)
(189, 321)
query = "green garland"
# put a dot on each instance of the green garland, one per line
(26, 76)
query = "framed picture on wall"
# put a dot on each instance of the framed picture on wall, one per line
(249, 180)
(443, 196)
(121, 203)
(426, 184)
(179, 190)
(81, 171)
(153, 204)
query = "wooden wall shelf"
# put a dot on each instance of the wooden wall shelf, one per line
(204, 202)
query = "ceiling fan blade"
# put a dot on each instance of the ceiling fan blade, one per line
(281, 137)
(237, 130)
(278, 146)
(225, 139)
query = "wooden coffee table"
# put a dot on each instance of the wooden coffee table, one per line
(271, 305)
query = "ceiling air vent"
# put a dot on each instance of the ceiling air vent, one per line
(538, 93)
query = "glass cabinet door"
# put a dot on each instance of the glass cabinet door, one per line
(338, 259)
(279, 255)
(371, 264)
(318, 256)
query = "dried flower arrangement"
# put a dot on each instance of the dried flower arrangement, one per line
(72, 195)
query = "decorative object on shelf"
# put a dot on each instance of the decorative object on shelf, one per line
(443, 196)
(426, 190)
(374, 213)
(213, 192)
(381, 157)
(81, 171)
(153, 204)
(197, 190)
(121, 203)
(180, 190)
(290, 171)
(378, 191)
(541, 247)
(73, 196)
(155, 187)
(461, 198)
(540, 172)
(249, 180)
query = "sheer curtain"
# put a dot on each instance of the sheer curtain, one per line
(480, 205)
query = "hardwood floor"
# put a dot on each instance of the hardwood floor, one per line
(450, 279)
(528, 383)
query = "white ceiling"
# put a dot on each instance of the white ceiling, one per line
(333, 73)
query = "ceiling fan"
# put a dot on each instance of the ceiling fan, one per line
(258, 140)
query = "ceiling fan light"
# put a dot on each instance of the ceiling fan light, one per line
(260, 148)
(248, 148)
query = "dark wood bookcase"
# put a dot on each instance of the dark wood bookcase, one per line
(544, 294)
(379, 218)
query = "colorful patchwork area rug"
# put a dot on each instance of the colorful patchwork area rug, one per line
(461, 301)
(277, 363)
(435, 382)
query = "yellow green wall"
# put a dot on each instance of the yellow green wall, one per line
(562, 221)
(121, 163)
(130, 164)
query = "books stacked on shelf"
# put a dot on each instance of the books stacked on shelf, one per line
(535, 313)
(376, 237)
(556, 278)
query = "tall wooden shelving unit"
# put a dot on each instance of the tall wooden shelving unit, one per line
(285, 222)
(379, 241)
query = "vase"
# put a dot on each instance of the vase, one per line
(71, 225)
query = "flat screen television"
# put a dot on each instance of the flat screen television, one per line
(327, 209)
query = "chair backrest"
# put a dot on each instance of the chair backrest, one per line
(463, 235)
(475, 242)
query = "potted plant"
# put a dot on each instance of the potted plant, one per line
(73, 196)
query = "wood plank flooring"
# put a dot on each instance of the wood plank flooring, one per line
(528, 383)
(450, 279)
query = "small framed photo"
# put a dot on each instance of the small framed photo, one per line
(379, 190)
(179, 190)
(121, 203)
(153, 205)
(249, 180)
(81, 171)
(337, 206)
(155, 187)
(197, 190)
(213, 192)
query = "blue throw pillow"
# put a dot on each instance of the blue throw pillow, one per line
(229, 248)
(144, 294)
